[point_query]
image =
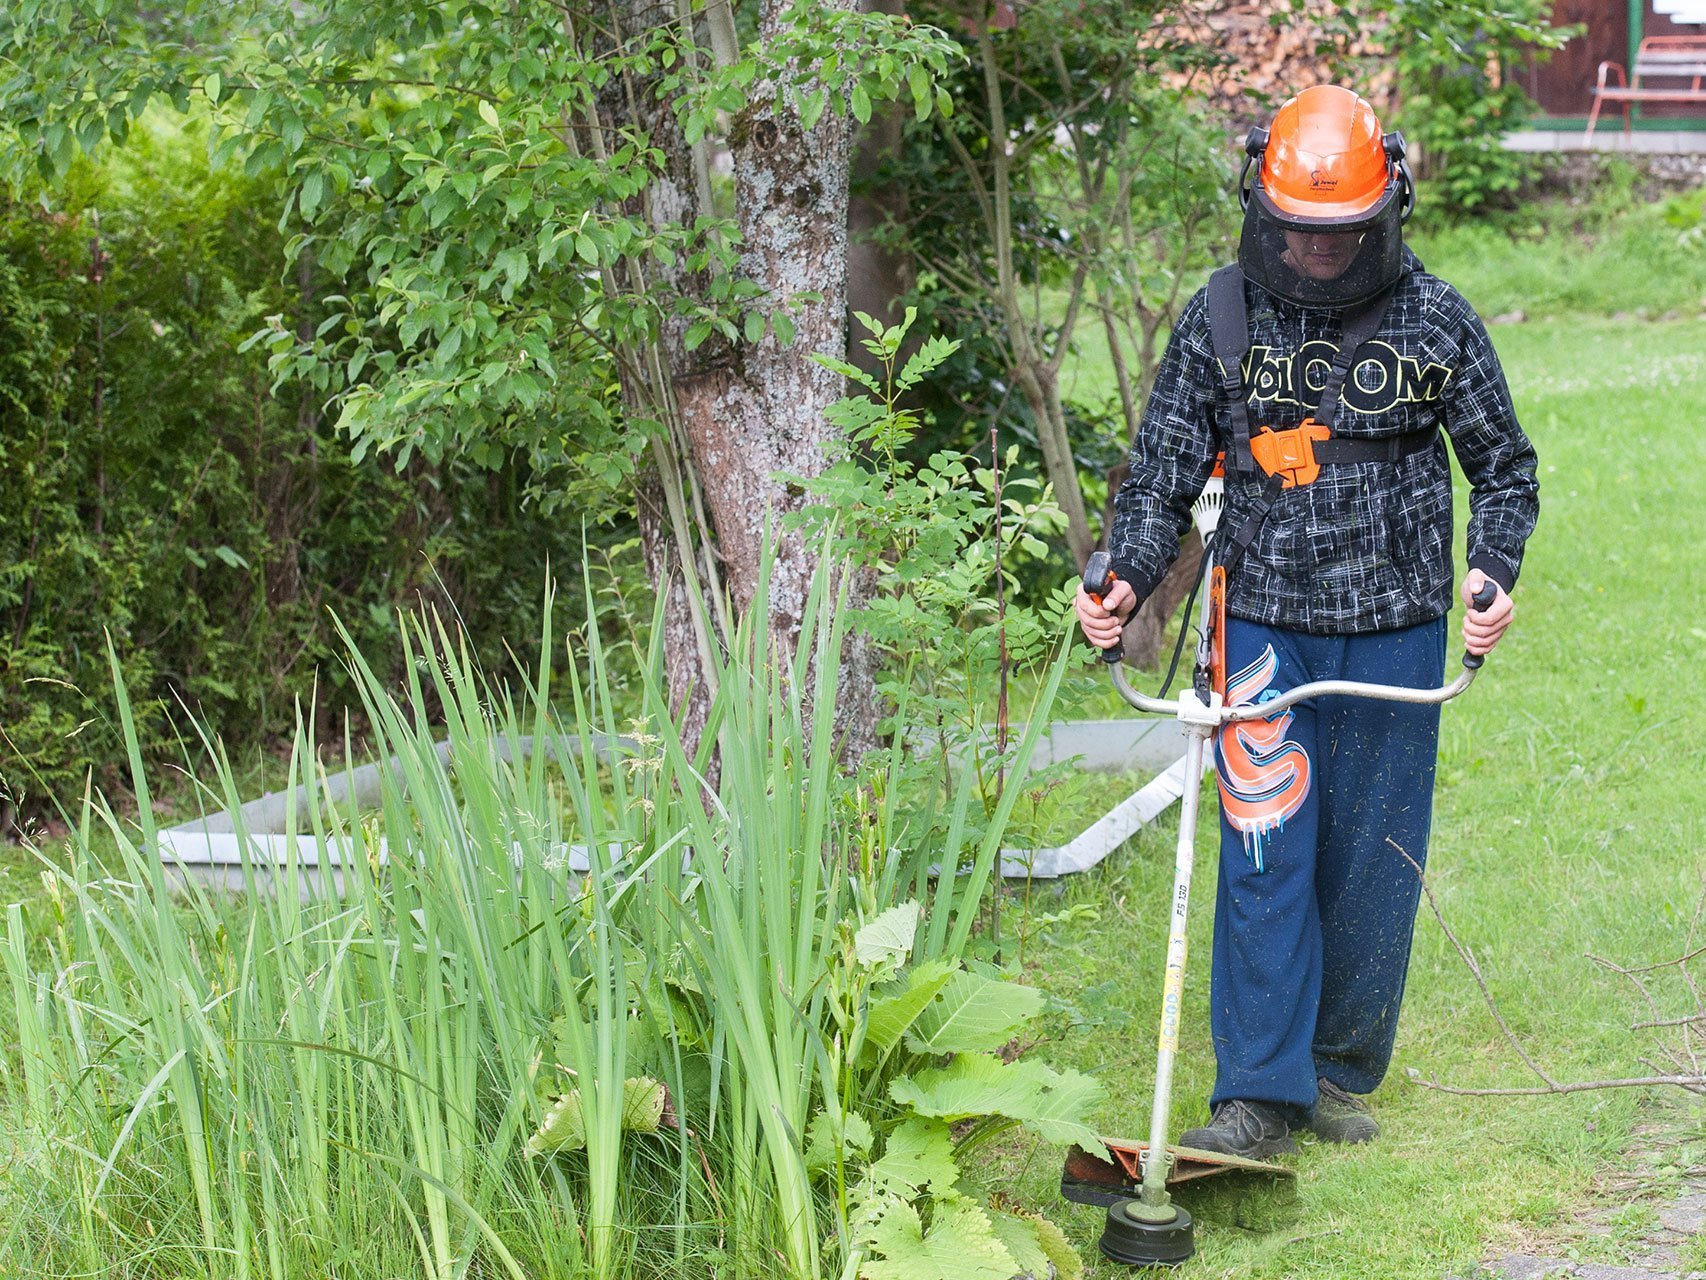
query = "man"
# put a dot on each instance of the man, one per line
(1323, 366)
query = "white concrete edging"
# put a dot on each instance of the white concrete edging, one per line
(210, 850)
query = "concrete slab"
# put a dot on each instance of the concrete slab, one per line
(210, 850)
(1139, 744)
(1523, 1266)
(215, 860)
(1104, 835)
(1687, 1215)
(1609, 136)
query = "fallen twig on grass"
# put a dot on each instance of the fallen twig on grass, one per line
(1694, 1082)
(1668, 1022)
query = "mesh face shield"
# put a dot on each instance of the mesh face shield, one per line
(1323, 262)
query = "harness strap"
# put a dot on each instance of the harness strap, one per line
(1391, 449)
(1357, 328)
(1229, 330)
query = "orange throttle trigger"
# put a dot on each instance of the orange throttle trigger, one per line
(1099, 578)
(1290, 454)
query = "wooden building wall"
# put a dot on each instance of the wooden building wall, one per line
(1563, 85)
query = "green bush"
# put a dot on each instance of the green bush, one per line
(154, 484)
(1459, 97)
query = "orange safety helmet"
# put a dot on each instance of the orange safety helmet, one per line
(1324, 173)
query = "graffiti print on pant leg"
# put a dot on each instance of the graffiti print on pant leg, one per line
(1264, 776)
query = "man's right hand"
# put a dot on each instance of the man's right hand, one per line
(1102, 622)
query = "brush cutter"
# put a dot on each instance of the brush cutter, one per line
(1150, 1230)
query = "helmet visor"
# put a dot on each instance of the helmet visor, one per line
(1322, 262)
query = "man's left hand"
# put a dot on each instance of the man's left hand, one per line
(1481, 631)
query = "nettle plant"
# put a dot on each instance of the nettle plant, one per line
(945, 541)
(925, 1076)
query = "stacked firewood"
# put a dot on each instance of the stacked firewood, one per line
(1271, 52)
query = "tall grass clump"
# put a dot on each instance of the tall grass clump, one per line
(741, 1042)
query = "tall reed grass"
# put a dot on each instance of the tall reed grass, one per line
(300, 1080)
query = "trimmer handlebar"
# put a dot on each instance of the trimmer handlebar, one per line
(1099, 577)
(1482, 599)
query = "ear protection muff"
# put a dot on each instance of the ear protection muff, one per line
(1255, 143)
(1393, 144)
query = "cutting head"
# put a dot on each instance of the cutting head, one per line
(1089, 1179)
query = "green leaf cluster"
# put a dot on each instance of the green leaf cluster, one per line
(156, 486)
(921, 1032)
(949, 543)
(1459, 92)
(494, 206)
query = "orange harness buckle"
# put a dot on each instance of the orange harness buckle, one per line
(1290, 454)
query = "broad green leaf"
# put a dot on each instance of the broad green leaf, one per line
(919, 1154)
(564, 1127)
(973, 1014)
(489, 113)
(1051, 1103)
(811, 110)
(1020, 1239)
(1067, 1264)
(829, 1138)
(960, 1245)
(888, 938)
(918, 82)
(889, 1017)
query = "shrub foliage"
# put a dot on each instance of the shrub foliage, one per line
(155, 485)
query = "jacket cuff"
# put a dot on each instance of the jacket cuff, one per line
(1494, 568)
(1141, 583)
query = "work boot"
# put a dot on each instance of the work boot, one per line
(1253, 1130)
(1341, 1116)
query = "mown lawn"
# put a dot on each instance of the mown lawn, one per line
(1567, 822)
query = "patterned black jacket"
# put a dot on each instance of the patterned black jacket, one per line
(1367, 546)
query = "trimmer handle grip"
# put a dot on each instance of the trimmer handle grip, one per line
(1099, 577)
(1482, 599)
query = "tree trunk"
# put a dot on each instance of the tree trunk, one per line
(1145, 635)
(1146, 632)
(675, 547)
(878, 276)
(1039, 382)
(735, 415)
(1037, 373)
(763, 412)
(689, 690)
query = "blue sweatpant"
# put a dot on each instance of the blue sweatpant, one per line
(1315, 908)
